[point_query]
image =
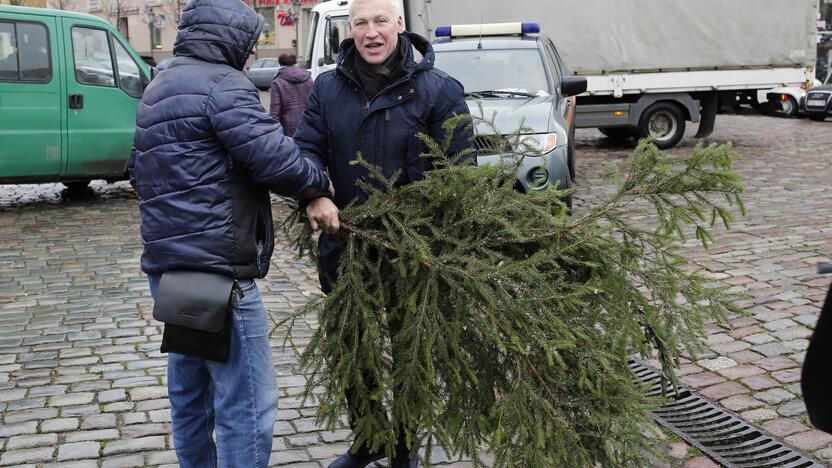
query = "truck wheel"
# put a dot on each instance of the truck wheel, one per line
(816, 117)
(617, 133)
(789, 107)
(664, 122)
(76, 185)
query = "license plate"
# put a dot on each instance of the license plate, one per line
(816, 102)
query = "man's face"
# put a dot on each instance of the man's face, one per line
(375, 27)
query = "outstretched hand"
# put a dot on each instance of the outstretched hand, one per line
(323, 213)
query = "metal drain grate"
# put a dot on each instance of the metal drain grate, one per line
(719, 433)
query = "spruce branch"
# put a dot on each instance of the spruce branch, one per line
(470, 315)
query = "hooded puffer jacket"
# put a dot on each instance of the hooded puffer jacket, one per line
(290, 91)
(206, 153)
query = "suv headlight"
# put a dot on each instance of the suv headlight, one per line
(540, 142)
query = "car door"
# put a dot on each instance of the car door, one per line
(30, 97)
(104, 85)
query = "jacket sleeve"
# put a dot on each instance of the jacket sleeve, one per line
(274, 101)
(257, 144)
(450, 103)
(311, 134)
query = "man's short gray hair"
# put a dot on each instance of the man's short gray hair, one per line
(393, 6)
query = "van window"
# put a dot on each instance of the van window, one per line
(129, 75)
(93, 60)
(24, 52)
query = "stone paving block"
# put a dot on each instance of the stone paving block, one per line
(148, 393)
(31, 441)
(17, 457)
(738, 372)
(787, 375)
(811, 440)
(7, 429)
(716, 364)
(59, 425)
(73, 464)
(70, 399)
(775, 363)
(772, 349)
(31, 415)
(134, 445)
(701, 380)
(758, 415)
(792, 408)
(783, 427)
(126, 461)
(78, 450)
(740, 402)
(142, 430)
(701, 462)
(97, 435)
(288, 457)
(110, 396)
(759, 382)
(723, 390)
(160, 458)
(98, 421)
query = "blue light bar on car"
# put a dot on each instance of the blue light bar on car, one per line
(490, 29)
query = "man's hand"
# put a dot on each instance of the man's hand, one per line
(322, 212)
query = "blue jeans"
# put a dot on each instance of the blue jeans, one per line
(237, 399)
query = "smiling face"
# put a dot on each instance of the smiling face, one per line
(375, 26)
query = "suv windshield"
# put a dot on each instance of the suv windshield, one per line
(496, 73)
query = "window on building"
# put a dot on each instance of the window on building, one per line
(24, 52)
(157, 38)
(94, 5)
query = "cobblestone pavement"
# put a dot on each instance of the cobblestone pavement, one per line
(82, 381)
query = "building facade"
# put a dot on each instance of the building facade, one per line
(150, 25)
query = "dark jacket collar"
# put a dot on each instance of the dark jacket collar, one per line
(218, 31)
(345, 62)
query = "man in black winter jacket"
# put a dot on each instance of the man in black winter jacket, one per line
(376, 102)
(206, 154)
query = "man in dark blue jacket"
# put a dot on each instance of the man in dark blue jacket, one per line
(206, 154)
(375, 102)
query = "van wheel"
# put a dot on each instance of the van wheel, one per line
(76, 185)
(664, 122)
(617, 133)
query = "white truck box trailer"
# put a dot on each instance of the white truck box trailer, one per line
(652, 65)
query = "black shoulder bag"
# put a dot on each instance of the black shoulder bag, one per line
(195, 307)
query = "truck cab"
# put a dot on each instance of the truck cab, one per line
(69, 87)
(328, 26)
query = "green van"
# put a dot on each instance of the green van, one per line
(69, 87)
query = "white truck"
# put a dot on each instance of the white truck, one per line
(651, 65)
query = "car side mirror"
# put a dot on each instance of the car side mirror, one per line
(573, 85)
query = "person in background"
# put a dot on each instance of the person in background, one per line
(290, 91)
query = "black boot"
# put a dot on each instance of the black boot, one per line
(360, 459)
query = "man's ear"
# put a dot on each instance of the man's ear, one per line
(349, 29)
(400, 24)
